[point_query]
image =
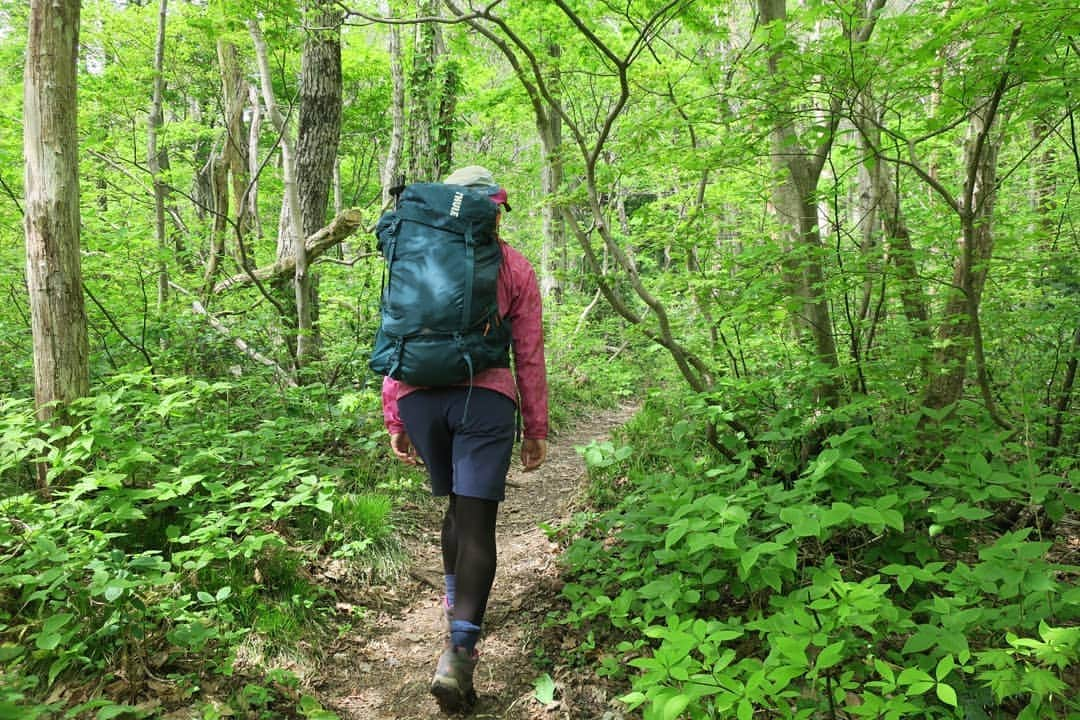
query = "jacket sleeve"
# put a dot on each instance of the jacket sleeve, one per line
(391, 391)
(527, 330)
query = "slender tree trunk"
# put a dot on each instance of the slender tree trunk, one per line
(201, 190)
(219, 203)
(234, 150)
(53, 266)
(798, 172)
(1064, 398)
(339, 199)
(882, 195)
(320, 114)
(960, 335)
(424, 94)
(553, 250)
(295, 233)
(1044, 186)
(224, 167)
(392, 167)
(446, 118)
(254, 130)
(153, 155)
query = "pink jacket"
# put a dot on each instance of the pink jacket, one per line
(519, 300)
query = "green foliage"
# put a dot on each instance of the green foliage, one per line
(867, 586)
(177, 525)
(751, 549)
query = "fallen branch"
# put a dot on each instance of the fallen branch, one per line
(281, 373)
(339, 228)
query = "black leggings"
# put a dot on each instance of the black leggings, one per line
(468, 548)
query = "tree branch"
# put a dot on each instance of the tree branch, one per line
(338, 230)
(119, 331)
(988, 124)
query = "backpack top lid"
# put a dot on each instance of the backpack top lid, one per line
(480, 179)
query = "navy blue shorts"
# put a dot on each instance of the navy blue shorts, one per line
(465, 438)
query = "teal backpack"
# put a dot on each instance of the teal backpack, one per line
(439, 311)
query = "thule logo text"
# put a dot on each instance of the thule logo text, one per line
(455, 207)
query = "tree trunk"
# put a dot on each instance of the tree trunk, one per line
(1064, 398)
(201, 185)
(320, 113)
(319, 131)
(53, 265)
(254, 129)
(392, 168)
(445, 118)
(219, 204)
(553, 250)
(881, 177)
(293, 237)
(959, 333)
(234, 150)
(424, 94)
(799, 171)
(153, 155)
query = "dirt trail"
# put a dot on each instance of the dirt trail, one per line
(382, 672)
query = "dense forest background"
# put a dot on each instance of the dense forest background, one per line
(829, 247)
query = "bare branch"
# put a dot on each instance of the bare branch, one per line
(991, 115)
(315, 245)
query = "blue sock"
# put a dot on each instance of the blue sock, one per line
(451, 586)
(464, 634)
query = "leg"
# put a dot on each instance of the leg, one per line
(483, 439)
(449, 537)
(449, 555)
(473, 526)
(476, 557)
(481, 424)
(424, 415)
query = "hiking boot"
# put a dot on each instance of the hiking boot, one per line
(452, 685)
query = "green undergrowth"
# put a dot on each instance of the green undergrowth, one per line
(186, 522)
(878, 582)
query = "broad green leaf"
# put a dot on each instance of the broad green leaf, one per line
(946, 694)
(831, 655)
(114, 590)
(675, 705)
(944, 667)
(49, 637)
(885, 671)
(851, 465)
(909, 676)
(9, 651)
(868, 515)
(544, 689)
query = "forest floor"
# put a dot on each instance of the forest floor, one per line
(381, 667)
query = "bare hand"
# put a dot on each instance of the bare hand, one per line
(403, 448)
(533, 453)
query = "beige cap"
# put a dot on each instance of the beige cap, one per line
(471, 175)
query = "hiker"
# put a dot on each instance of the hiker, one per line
(464, 435)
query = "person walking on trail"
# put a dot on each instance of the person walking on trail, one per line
(464, 435)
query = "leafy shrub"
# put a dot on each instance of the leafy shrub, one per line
(868, 586)
(177, 524)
